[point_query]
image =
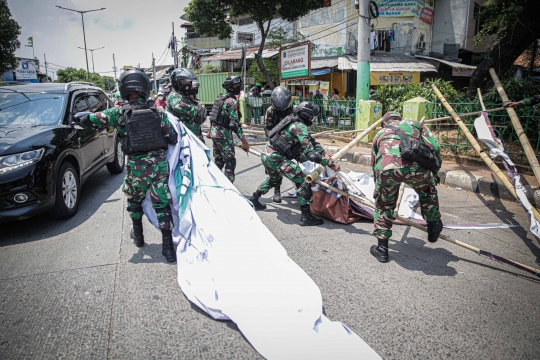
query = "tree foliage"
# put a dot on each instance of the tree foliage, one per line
(515, 27)
(71, 74)
(208, 69)
(213, 17)
(278, 37)
(270, 65)
(9, 43)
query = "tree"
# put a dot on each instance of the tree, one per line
(512, 23)
(9, 42)
(212, 17)
(270, 65)
(71, 74)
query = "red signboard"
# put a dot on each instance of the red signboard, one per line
(427, 15)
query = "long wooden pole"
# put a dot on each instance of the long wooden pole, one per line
(529, 152)
(464, 114)
(489, 162)
(315, 173)
(478, 251)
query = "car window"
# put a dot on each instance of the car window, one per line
(106, 101)
(80, 104)
(96, 104)
(17, 108)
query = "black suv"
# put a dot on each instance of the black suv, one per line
(45, 156)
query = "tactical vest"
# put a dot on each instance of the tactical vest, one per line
(143, 127)
(216, 116)
(276, 115)
(279, 143)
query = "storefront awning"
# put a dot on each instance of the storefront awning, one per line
(265, 54)
(389, 63)
(323, 63)
(229, 55)
(458, 69)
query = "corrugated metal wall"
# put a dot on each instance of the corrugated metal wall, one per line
(211, 86)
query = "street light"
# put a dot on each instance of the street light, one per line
(92, 50)
(84, 34)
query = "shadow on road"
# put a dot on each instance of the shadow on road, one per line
(149, 254)
(96, 191)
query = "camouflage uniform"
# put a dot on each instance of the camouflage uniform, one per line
(278, 165)
(195, 102)
(223, 141)
(273, 117)
(390, 170)
(185, 109)
(149, 171)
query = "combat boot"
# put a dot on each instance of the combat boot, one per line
(136, 235)
(168, 246)
(277, 194)
(434, 229)
(380, 251)
(255, 200)
(307, 218)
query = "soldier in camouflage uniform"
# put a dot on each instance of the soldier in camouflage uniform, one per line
(201, 114)
(390, 170)
(281, 107)
(278, 165)
(221, 135)
(179, 102)
(145, 171)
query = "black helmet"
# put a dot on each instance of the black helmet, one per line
(306, 111)
(194, 87)
(134, 80)
(181, 79)
(230, 81)
(281, 98)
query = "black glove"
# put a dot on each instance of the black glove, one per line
(86, 122)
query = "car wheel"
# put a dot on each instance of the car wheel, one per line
(68, 189)
(117, 165)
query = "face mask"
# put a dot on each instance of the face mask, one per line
(236, 90)
(160, 97)
(194, 91)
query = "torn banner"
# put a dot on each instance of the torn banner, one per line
(232, 267)
(487, 135)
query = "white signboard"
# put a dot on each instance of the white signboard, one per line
(295, 61)
(245, 38)
(26, 71)
(462, 71)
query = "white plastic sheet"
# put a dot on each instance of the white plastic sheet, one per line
(232, 267)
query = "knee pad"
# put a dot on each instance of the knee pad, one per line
(307, 193)
(165, 212)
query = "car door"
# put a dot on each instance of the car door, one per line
(108, 134)
(97, 104)
(89, 139)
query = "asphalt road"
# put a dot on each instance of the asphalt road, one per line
(81, 289)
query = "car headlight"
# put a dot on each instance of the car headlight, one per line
(15, 161)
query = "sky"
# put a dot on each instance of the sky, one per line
(132, 30)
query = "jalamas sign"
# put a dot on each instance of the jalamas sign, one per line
(295, 61)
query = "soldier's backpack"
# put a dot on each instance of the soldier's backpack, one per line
(143, 128)
(416, 150)
(279, 143)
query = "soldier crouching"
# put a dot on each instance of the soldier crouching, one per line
(391, 167)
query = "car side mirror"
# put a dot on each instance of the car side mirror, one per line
(81, 114)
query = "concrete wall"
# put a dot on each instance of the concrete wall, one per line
(454, 23)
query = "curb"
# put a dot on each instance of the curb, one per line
(458, 179)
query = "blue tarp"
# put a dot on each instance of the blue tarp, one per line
(321, 71)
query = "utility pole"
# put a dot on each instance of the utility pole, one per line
(84, 34)
(92, 50)
(46, 72)
(114, 68)
(154, 70)
(173, 48)
(363, 56)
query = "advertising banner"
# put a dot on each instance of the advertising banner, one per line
(462, 71)
(392, 8)
(26, 71)
(394, 78)
(295, 61)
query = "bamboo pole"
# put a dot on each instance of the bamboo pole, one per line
(255, 132)
(315, 174)
(463, 115)
(529, 152)
(481, 99)
(406, 221)
(400, 196)
(489, 162)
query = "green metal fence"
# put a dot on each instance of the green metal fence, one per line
(335, 114)
(453, 140)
